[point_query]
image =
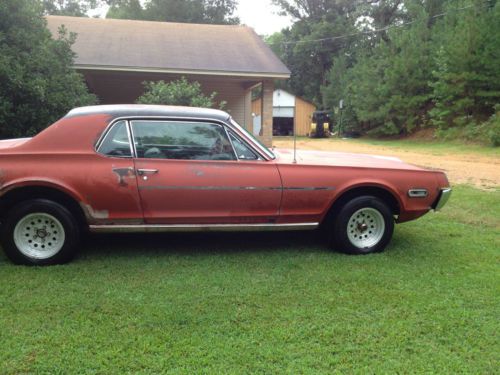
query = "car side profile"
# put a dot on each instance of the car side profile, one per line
(142, 168)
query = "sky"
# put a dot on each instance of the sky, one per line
(261, 15)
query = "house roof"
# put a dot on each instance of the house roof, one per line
(146, 46)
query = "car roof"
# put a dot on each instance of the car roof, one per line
(147, 110)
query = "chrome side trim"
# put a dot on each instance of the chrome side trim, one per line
(443, 197)
(418, 193)
(173, 187)
(310, 188)
(200, 228)
(131, 140)
(177, 187)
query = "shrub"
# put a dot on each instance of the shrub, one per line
(180, 92)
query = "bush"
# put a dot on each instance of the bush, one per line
(38, 83)
(180, 92)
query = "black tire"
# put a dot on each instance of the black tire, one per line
(64, 219)
(349, 230)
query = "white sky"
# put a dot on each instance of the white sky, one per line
(261, 16)
(258, 14)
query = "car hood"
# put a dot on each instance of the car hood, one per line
(341, 159)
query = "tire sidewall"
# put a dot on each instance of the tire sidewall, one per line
(70, 225)
(340, 238)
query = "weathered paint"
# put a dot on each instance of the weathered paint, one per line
(185, 192)
(93, 214)
(123, 174)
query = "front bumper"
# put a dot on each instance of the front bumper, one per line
(442, 198)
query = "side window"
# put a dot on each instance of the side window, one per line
(181, 140)
(242, 150)
(116, 141)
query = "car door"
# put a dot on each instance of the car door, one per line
(188, 173)
(109, 182)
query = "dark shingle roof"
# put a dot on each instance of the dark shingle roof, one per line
(169, 47)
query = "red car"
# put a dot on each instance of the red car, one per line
(135, 168)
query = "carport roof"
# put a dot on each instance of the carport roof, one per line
(165, 47)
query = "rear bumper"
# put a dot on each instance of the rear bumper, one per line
(442, 198)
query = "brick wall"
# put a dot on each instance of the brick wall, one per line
(267, 113)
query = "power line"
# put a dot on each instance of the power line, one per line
(368, 31)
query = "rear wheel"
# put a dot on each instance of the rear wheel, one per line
(40, 232)
(363, 225)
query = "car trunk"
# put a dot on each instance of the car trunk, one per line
(10, 143)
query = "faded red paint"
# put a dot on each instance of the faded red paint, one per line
(110, 191)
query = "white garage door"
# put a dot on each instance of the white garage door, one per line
(283, 111)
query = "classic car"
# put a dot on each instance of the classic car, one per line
(138, 168)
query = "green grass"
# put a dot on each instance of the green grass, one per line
(265, 303)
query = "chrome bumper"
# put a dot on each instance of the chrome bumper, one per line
(442, 198)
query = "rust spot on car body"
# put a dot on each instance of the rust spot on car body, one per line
(124, 173)
(93, 214)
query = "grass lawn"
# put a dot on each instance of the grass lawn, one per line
(265, 303)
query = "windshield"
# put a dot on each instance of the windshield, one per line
(259, 145)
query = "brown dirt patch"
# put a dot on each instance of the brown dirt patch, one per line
(482, 171)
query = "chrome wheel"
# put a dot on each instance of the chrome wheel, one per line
(365, 227)
(39, 235)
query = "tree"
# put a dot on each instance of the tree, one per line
(389, 85)
(440, 69)
(191, 11)
(77, 8)
(466, 80)
(126, 9)
(38, 83)
(180, 92)
(307, 47)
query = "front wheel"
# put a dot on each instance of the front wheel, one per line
(364, 225)
(40, 232)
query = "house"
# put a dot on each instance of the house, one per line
(288, 111)
(116, 56)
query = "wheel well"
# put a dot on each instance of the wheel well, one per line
(375, 191)
(15, 196)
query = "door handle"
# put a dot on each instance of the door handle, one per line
(142, 172)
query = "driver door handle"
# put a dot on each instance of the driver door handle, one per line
(142, 172)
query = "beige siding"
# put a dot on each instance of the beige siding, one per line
(122, 88)
(303, 116)
(234, 94)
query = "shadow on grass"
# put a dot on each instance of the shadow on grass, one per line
(161, 246)
(189, 244)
